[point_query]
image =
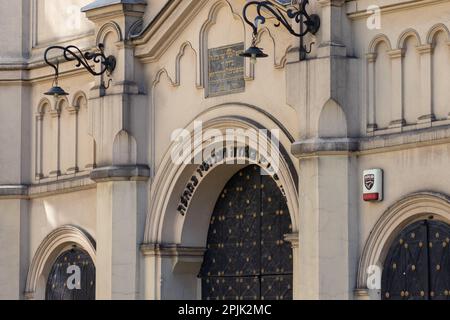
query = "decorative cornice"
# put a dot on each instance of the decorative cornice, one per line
(323, 147)
(372, 144)
(104, 10)
(13, 191)
(105, 3)
(121, 173)
(354, 12)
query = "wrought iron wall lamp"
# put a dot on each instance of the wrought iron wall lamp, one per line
(308, 24)
(73, 53)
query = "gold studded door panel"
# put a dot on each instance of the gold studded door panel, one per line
(72, 277)
(247, 258)
(417, 266)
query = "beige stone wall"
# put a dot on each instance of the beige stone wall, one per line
(385, 88)
(405, 67)
(54, 21)
(178, 81)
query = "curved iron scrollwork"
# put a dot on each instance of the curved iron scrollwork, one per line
(73, 53)
(308, 23)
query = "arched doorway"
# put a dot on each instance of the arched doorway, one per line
(247, 257)
(417, 266)
(72, 277)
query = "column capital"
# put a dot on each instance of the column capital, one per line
(425, 49)
(396, 53)
(293, 238)
(371, 57)
(361, 294)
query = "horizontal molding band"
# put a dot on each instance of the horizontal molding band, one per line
(28, 192)
(371, 145)
(13, 191)
(121, 173)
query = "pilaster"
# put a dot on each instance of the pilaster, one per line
(323, 91)
(122, 187)
(398, 120)
(121, 213)
(426, 110)
(14, 239)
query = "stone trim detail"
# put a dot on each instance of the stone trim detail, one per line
(369, 145)
(121, 173)
(321, 147)
(171, 250)
(414, 207)
(54, 244)
(13, 191)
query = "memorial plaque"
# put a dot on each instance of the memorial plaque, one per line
(226, 70)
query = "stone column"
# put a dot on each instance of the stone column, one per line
(397, 120)
(329, 115)
(14, 250)
(16, 118)
(121, 213)
(122, 174)
(427, 115)
(170, 267)
(55, 147)
(371, 121)
(326, 256)
(293, 238)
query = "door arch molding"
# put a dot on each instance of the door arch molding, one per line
(412, 208)
(170, 175)
(58, 241)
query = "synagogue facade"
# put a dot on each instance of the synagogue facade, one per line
(122, 189)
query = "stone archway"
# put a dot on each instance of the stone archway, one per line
(412, 208)
(175, 241)
(57, 242)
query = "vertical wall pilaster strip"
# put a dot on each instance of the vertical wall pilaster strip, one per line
(426, 111)
(397, 118)
(371, 122)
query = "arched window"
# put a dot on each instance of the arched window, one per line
(247, 257)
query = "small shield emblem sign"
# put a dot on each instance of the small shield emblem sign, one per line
(369, 181)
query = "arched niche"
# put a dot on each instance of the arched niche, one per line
(57, 242)
(439, 38)
(412, 208)
(332, 121)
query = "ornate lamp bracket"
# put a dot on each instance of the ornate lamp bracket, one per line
(308, 24)
(73, 53)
